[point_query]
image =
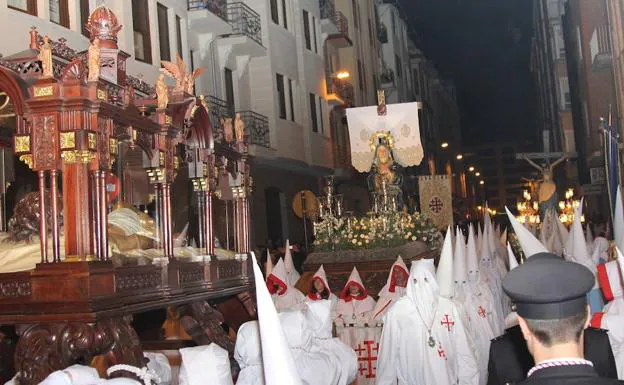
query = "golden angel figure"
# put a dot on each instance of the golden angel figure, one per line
(94, 60)
(226, 123)
(45, 55)
(184, 81)
(162, 93)
(239, 128)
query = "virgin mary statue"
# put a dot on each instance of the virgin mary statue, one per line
(386, 172)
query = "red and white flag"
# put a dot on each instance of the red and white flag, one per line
(365, 342)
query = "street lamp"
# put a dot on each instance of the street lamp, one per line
(444, 145)
(342, 75)
(471, 168)
(481, 182)
(459, 157)
(477, 173)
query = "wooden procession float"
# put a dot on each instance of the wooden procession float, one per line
(384, 139)
(84, 278)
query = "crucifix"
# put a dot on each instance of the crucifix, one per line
(547, 190)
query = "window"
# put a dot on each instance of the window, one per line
(320, 99)
(398, 66)
(314, 33)
(356, 14)
(229, 88)
(568, 101)
(140, 22)
(28, 6)
(163, 32)
(562, 53)
(281, 96)
(313, 113)
(306, 30)
(59, 12)
(360, 75)
(274, 12)
(84, 16)
(284, 14)
(291, 100)
(179, 33)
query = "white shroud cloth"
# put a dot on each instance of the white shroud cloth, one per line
(354, 309)
(319, 319)
(391, 292)
(285, 297)
(405, 355)
(315, 367)
(202, 362)
(248, 354)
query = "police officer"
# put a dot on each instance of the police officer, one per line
(550, 299)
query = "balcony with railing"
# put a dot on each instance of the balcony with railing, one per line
(339, 91)
(244, 21)
(334, 24)
(218, 110)
(218, 17)
(256, 128)
(600, 48)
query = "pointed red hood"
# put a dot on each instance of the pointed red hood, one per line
(354, 279)
(318, 276)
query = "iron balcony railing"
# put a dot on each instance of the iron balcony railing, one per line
(342, 23)
(245, 21)
(256, 128)
(218, 109)
(218, 7)
(340, 87)
(328, 9)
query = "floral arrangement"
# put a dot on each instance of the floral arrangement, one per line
(385, 230)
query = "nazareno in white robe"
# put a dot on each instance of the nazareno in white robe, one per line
(405, 357)
(391, 292)
(248, 354)
(354, 309)
(314, 296)
(318, 314)
(612, 316)
(315, 367)
(286, 297)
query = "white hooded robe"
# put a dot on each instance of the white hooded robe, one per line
(248, 354)
(286, 297)
(405, 355)
(354, 310)
(391, 292)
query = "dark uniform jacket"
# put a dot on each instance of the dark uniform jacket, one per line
(510, 360)
(568, 375)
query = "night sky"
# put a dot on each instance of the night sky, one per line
(484, 47)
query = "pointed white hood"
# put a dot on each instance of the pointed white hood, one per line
(489, 229)
(444, 274)
(391, 285)
(503, 238)
(278, 363)
(278, 277)
(354, 279)
(422, 288)
(472, 261)
(589, 237)
(530, 245)
(618, 220)
(513, 262)
(459, 259)
(546, 232)
(563, 232)
(576, 248)
(479, 240)
(485, 253)
(293, 274)
(318, 276)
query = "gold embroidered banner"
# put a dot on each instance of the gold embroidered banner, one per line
(436, 199)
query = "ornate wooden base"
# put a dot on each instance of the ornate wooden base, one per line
(44, 348)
